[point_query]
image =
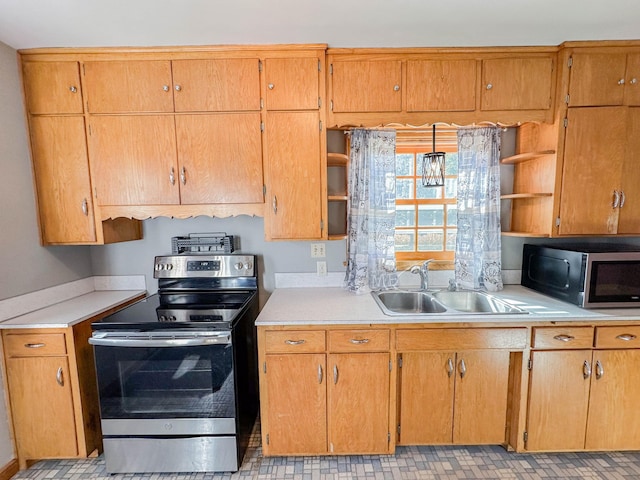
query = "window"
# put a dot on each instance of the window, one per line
(426, 217)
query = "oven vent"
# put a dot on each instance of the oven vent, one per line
(203, 242)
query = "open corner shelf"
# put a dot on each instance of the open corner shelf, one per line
(337, 159)
(525, 157)
(524, 195)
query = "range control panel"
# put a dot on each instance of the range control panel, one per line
(204, 265)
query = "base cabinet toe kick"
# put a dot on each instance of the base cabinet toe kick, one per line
(354, 389)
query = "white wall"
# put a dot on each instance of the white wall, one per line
(25, 266)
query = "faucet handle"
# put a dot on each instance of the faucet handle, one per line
(452, 285)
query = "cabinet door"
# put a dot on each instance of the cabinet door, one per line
(427, 379)
(359, 402)
(441, 85)
(367, 86)
(517, 84)
(614, 416)
(52, 87)
(220, 158)
(133, 160)
(593, 155)
(292, 83)
(128, 86)
(558, 400)
(61, 170)
(596, 79)
(297, 404)
(629, 220)
(632, 80)
(294, 195)
(42, 407)
(217, 85)
(482, 381)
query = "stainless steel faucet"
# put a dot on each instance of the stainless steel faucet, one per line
(423, 271)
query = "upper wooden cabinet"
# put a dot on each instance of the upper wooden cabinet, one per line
(418, 86)
(228, 84)
(436, 85)
(52, 87)
(517, 83)
(366, 85)
(604, 78)
(292, 83)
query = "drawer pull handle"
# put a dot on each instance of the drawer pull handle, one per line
(564, 338)
(449, 367)
(359, 342)
(59, 377)
(294, 342)
(599, 370)
(35, 345)
(586, 370)
(627, 337)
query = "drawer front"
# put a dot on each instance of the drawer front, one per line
(618, 337)
(562, 338)
(461, 339)
(292, 341)
(359, 340)
(34, 344)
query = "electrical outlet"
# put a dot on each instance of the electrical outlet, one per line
(321, 269)
(317, 250)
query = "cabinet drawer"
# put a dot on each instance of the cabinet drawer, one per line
(618, 337)
(461, 339)
(291, 341)
(562, 337)
(358, 340)
(34, 344)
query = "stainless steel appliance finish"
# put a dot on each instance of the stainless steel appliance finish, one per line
(177, 371)
(590, 276)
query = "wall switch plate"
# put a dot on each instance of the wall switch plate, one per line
(317, 250)
(321, 269)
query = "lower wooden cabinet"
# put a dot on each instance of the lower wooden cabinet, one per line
(322, 396)
(586, 398)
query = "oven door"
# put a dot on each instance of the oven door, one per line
(182, 377)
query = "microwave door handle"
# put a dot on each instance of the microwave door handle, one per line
(224, 339)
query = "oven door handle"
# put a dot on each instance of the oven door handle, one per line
(224, 339)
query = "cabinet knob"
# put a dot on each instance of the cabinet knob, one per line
(271, 85)
(633, 81)
(73, 89)
(396, 88)
(489, 86)
(165, 88)
(178, 88)
(621, 81)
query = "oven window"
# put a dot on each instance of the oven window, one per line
(175, 382)
(615, 281)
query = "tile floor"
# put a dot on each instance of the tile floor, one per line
(420, 463)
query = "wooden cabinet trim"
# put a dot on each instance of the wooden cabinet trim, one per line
(461, 339)
(618, 337)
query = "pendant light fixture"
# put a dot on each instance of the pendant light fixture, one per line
(433, 166)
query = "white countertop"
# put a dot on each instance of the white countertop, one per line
(75, 310)
(334, 305)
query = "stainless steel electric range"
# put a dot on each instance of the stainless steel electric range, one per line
(177, 371)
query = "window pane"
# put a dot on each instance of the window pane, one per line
(452, 215)
(405, 215)
(428, 192)
(404, 188)
(430, 240)
(431, 215)
(451, 187)
(451, 240)
(451, 164)
(405, 240)
(404, 164)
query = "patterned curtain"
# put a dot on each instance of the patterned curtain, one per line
(478, 262)
(372, 212)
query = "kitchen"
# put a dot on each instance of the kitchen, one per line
(39, 267)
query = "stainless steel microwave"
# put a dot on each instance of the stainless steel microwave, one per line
(590, 276)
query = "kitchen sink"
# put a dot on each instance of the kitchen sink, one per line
(473, 301)
(442, 302)
(399, 302)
